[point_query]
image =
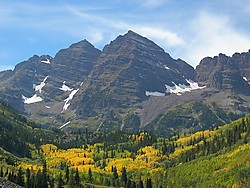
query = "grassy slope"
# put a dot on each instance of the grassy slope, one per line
(225, 169)
(228, 166)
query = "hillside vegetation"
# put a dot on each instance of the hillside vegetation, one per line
(219, 157)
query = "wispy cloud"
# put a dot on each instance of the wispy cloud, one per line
(213, 34)
(173, 25)
(6, 67)
(162, 36)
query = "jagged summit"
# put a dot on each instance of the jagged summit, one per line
(226, 73)
(135, 40)
(82, 44)
(124, 86)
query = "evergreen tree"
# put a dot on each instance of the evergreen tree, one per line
(38, 179)
(6, 172)
(51, 182)
(32, 181)
(10, 177)
(115, 177)
(60, 181)
(77, 178)
(20, 180)
(128, 184)
(149, 183)
(71, 181)
(67, 174)
(90, 176)
(1, 172)
(133, 185)
(115, 174)
(124, 175)
(44, 176)
(140, 184)
(28, 182)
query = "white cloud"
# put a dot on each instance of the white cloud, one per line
(6, 67)
(159, 35)
(213, 34)
(163, 37)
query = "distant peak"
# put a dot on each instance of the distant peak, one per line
(132, 34)
(82, 43)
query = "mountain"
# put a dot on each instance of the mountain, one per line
(129, 70)
(131, 85)
(223, 72)
(225, 98)
(40, 85)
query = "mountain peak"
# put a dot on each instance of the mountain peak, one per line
(137, 37)
(132, 33)
(131, 40)
(82, 44)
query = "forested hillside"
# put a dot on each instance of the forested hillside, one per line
(17, 133)
(218, 157)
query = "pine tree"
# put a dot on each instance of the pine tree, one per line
(149, 183)
(124, 175)
(44, 176)
(32, 180)
(133, 185)
(38, 179)
(128, 184)
(140, 184)
(20, 180)
(28, 182)
(51, 182)
(115, 177)
(1, 172)
(71, 181)
(60, 181)
(77, 178)
(90, 176)
(67, 174)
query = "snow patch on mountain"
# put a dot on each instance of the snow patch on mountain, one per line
(35, 98)
(41, 85)
(65, 87)
(47, 107)
(154, 93)
(166, 67)
(64, 125)
(244, 78)
(67, 101)
(176, 89)
(47, 61)
(182, 88)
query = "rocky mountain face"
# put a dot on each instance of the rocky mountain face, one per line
(226, 73)
(127, 72)
(39, 82)
(129, 85)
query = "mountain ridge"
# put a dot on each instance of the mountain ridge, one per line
(117, 87)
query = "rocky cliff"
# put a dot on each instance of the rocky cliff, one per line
(226, 73)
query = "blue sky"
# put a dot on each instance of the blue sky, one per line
(187, 29)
